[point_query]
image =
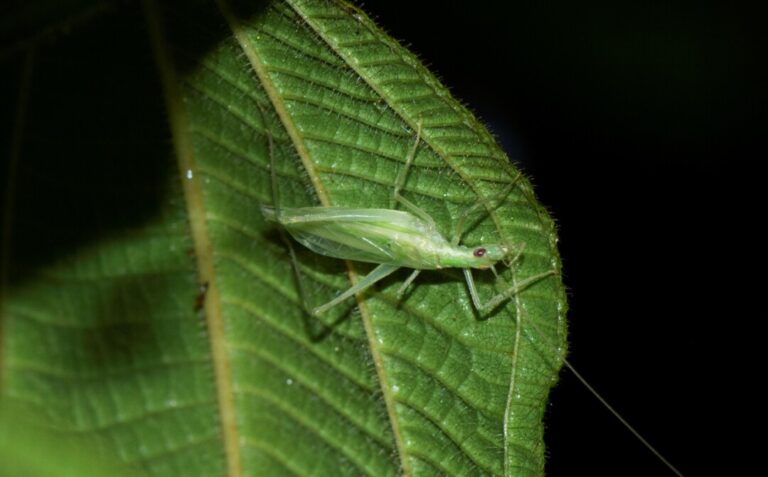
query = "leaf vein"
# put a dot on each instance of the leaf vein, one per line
(311, 349)
(315, 390)
(448, 435)
(299, 419)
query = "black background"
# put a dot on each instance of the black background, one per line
(639, 125)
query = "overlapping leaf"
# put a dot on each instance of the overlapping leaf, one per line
(180, 337)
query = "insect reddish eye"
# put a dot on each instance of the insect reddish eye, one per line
(479, 252)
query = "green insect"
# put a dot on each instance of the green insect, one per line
(406, 239)
(394, 239)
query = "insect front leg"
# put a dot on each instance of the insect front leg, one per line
(506, 294)
(458, 231)
(378, 273)
(494, 202)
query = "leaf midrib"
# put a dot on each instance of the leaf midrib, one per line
(180, 131)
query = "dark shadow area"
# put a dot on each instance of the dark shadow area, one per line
(126, 330)
(95, 153)
(317, 328)
(95, 164)
(96, 158)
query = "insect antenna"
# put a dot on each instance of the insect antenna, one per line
(272, 173)
(283, 237)
(603, 401)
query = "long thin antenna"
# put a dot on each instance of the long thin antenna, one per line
(607, 406)
(621, 419)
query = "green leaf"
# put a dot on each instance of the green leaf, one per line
(148, 304)
(31, 451)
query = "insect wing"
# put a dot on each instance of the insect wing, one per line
(334, 243)
(366, 235)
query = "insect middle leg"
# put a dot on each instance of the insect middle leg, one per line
(400, 181)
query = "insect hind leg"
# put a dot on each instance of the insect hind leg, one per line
(377, 274)
(407, 283)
